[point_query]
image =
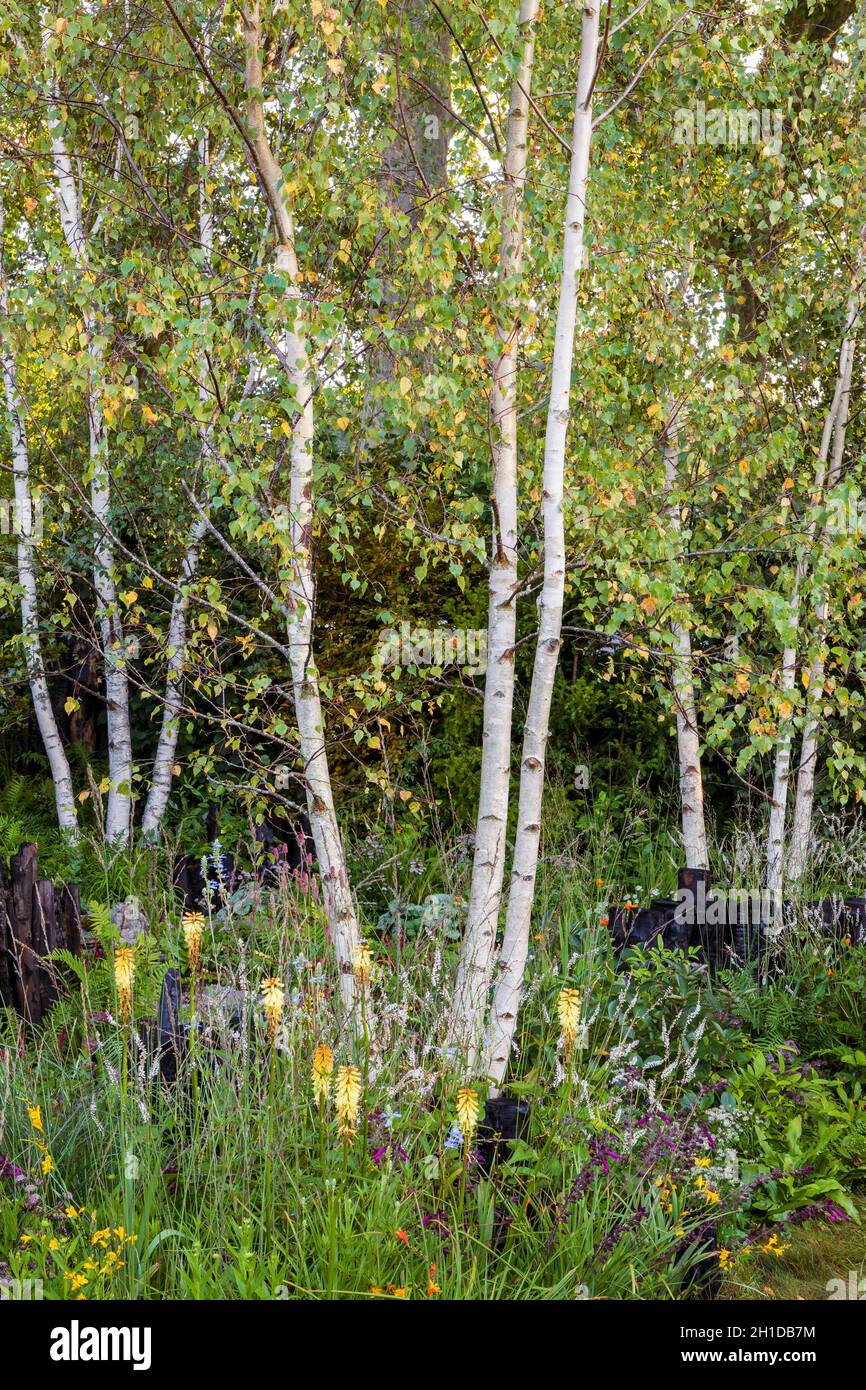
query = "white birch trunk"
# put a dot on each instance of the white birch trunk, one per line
(782, 768)
(163, 762)
(515, 945)
(339, 903)
(488, 869)
(801, 827)
(682, 683)
(118, 813)
(24, 517)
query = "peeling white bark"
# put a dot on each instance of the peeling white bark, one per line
(682, 684)
(64, 796)
(339, 903)
(120, 768)
(515, 946)
(801, 826)
(488, 869)
(163, 762)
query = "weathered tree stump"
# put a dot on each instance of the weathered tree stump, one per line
(36, 918)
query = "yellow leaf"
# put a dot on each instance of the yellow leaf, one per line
(786, 709)
(175, 769)
(82, 796)
(129, 597)
(149, 416)
(343, 422)
(805, 677)
(212, 631)
(336, 65)
(72, 705)
(654, 410)
(649, 605)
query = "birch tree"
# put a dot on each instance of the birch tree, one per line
(835, 424)
(26, 559)
(120, 768)
(805, 796)
(488, 869)
(515, 945)
(301, 589)
(160, 786)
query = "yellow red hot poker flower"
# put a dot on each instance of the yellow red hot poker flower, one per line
(347, 1099)
(323, 1066)
(192, 926)
(467, 1112)
(273, 999)
(362, 964)
(124, 973)
(568, 1009)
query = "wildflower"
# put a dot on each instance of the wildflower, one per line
(273, 998)
(323, 1065)
(455, 1138)
(400, 1234)
(397, 1292)
(124, 971)
(702, 1163)
(192, 926)
(362, 964)
(604, 921)
(726, 1259)
(347, 1098)
(35, 1114)
(467, 1111)
(47, 1163)
(599, 883)
(432, 1287)
(568, 1008)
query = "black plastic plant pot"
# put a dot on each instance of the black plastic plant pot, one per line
(675, 935)
(644, 928)
(830, 912)
(713, 938)
(619, 919)
(689, 879)
(504, 1119)
(855, 920)
(747, 944)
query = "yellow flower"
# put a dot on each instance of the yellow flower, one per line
(362, 964)
(192, 926)
(702, 1163)
(568, 1008)
(347, 1099)
(35, 1114)
(273, 998)
(726, 1259)
(323, 1065)
(467, 1112)
(47, 1164)
(124, 972)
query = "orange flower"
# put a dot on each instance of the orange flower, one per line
(401, 1235)
(433, 1288)
(599, 883)
(605, 921)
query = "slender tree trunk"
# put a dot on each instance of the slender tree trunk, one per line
(682, 683)
(24, 516)
(476, 958)
(801, 827)
(339, 903)
(782, 769)
(160, 786)
(118, 813)
(509, 983)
